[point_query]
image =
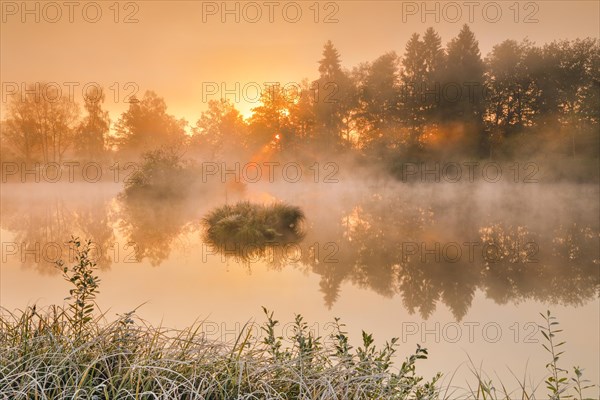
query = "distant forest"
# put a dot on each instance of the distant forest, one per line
(432, 102)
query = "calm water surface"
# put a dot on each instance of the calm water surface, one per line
(463, 269)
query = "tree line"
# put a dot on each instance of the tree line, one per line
(432, 101)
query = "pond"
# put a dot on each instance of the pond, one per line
(463, 269)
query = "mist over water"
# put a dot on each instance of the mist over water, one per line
(513, 241)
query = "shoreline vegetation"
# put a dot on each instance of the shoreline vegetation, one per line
(75, 352)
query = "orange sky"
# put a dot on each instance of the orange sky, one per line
(172, 51)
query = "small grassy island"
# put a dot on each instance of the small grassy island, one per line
(247, 228)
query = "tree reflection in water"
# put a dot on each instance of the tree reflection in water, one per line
(391, 244)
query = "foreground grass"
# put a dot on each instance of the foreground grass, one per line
(73, 352)
(130, 360)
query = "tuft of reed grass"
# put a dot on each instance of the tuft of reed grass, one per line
(245, 229)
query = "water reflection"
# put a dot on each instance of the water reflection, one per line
(427, 252)
(42, 223)
(403, 242)
(151, 226)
